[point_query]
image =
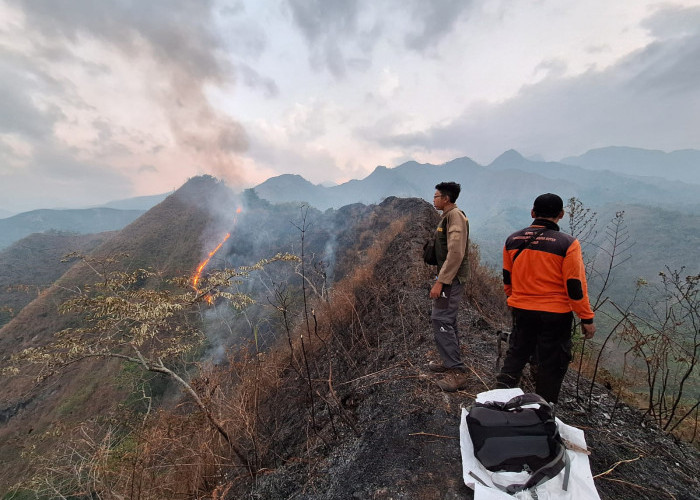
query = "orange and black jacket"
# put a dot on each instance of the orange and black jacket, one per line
(549, 274)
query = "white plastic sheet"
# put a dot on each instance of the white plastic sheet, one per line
(581, 486)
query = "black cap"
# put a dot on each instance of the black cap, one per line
(548, 205)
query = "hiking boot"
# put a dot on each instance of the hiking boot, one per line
(436, 367)
(453, 381)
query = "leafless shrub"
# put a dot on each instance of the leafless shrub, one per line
(484, 292)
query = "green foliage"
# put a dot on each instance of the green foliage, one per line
(651, 332)
(143, 388)
(20, 494)
(75, 401)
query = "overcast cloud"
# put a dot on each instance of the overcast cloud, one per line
(112, 99)
(635, 102)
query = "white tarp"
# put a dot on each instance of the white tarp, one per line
(580, 487)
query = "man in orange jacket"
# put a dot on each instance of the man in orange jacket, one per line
(545, 281)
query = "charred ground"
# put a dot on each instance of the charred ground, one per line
(402, 437)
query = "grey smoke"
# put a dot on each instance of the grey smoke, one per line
(178, 36)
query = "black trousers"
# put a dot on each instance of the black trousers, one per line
(546, 335)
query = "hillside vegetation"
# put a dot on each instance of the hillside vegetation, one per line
(32, 264)
(335, 404)
(168, 239)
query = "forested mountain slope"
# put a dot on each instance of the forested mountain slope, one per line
(335, 402)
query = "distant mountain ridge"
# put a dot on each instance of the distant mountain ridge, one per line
(111, 216)
(32, 264)
(137, 203)
(600, 176)
(497, 199)
(510, 180)
(682, 165)
(81, 221)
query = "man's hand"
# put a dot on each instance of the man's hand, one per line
(436, 290)
(588, 330)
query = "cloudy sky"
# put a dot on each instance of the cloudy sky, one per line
(102, 100)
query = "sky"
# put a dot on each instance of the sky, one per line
(113, 99)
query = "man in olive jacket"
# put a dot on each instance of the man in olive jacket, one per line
(452, 253)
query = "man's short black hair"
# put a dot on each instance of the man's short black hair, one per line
(449, 189)
(548, 205)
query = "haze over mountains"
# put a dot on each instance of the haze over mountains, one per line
(496, 197)
(512, 179)
(111, 216)
(80, 221)
(677, 165)
(178, 232)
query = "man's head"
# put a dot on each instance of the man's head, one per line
(450, 190)
(548, 206)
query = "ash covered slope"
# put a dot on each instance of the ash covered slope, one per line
(394, 434)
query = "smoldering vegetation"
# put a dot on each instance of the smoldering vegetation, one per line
(318, 390)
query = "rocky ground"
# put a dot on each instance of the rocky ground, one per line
(406, 445)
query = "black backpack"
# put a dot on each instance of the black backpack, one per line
(508, 437)
(429, 256)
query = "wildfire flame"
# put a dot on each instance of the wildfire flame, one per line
(198, 273)
(203, 264)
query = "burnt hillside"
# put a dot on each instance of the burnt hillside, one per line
(380, 428)
(340, 404)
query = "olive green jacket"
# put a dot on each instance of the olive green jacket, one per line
(452, 247)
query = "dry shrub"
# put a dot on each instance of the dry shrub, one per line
(485, 291)
(167, 456)
(176, 453)
(299, 370)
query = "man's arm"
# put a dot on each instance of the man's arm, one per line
(574, 274)
(456, 246)
(507, 268)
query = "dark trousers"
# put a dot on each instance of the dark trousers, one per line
(546, 335)
(444, 320)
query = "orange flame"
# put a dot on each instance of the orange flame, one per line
(198, 274)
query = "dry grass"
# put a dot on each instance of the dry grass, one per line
(175, 453)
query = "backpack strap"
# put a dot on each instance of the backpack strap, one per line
(547, 471)
(529, 398)
(519, 401)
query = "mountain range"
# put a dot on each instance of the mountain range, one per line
(682, 165)
(78, 221)
(511, 180)
(340, 404)
(661, 215)
(612, 175)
